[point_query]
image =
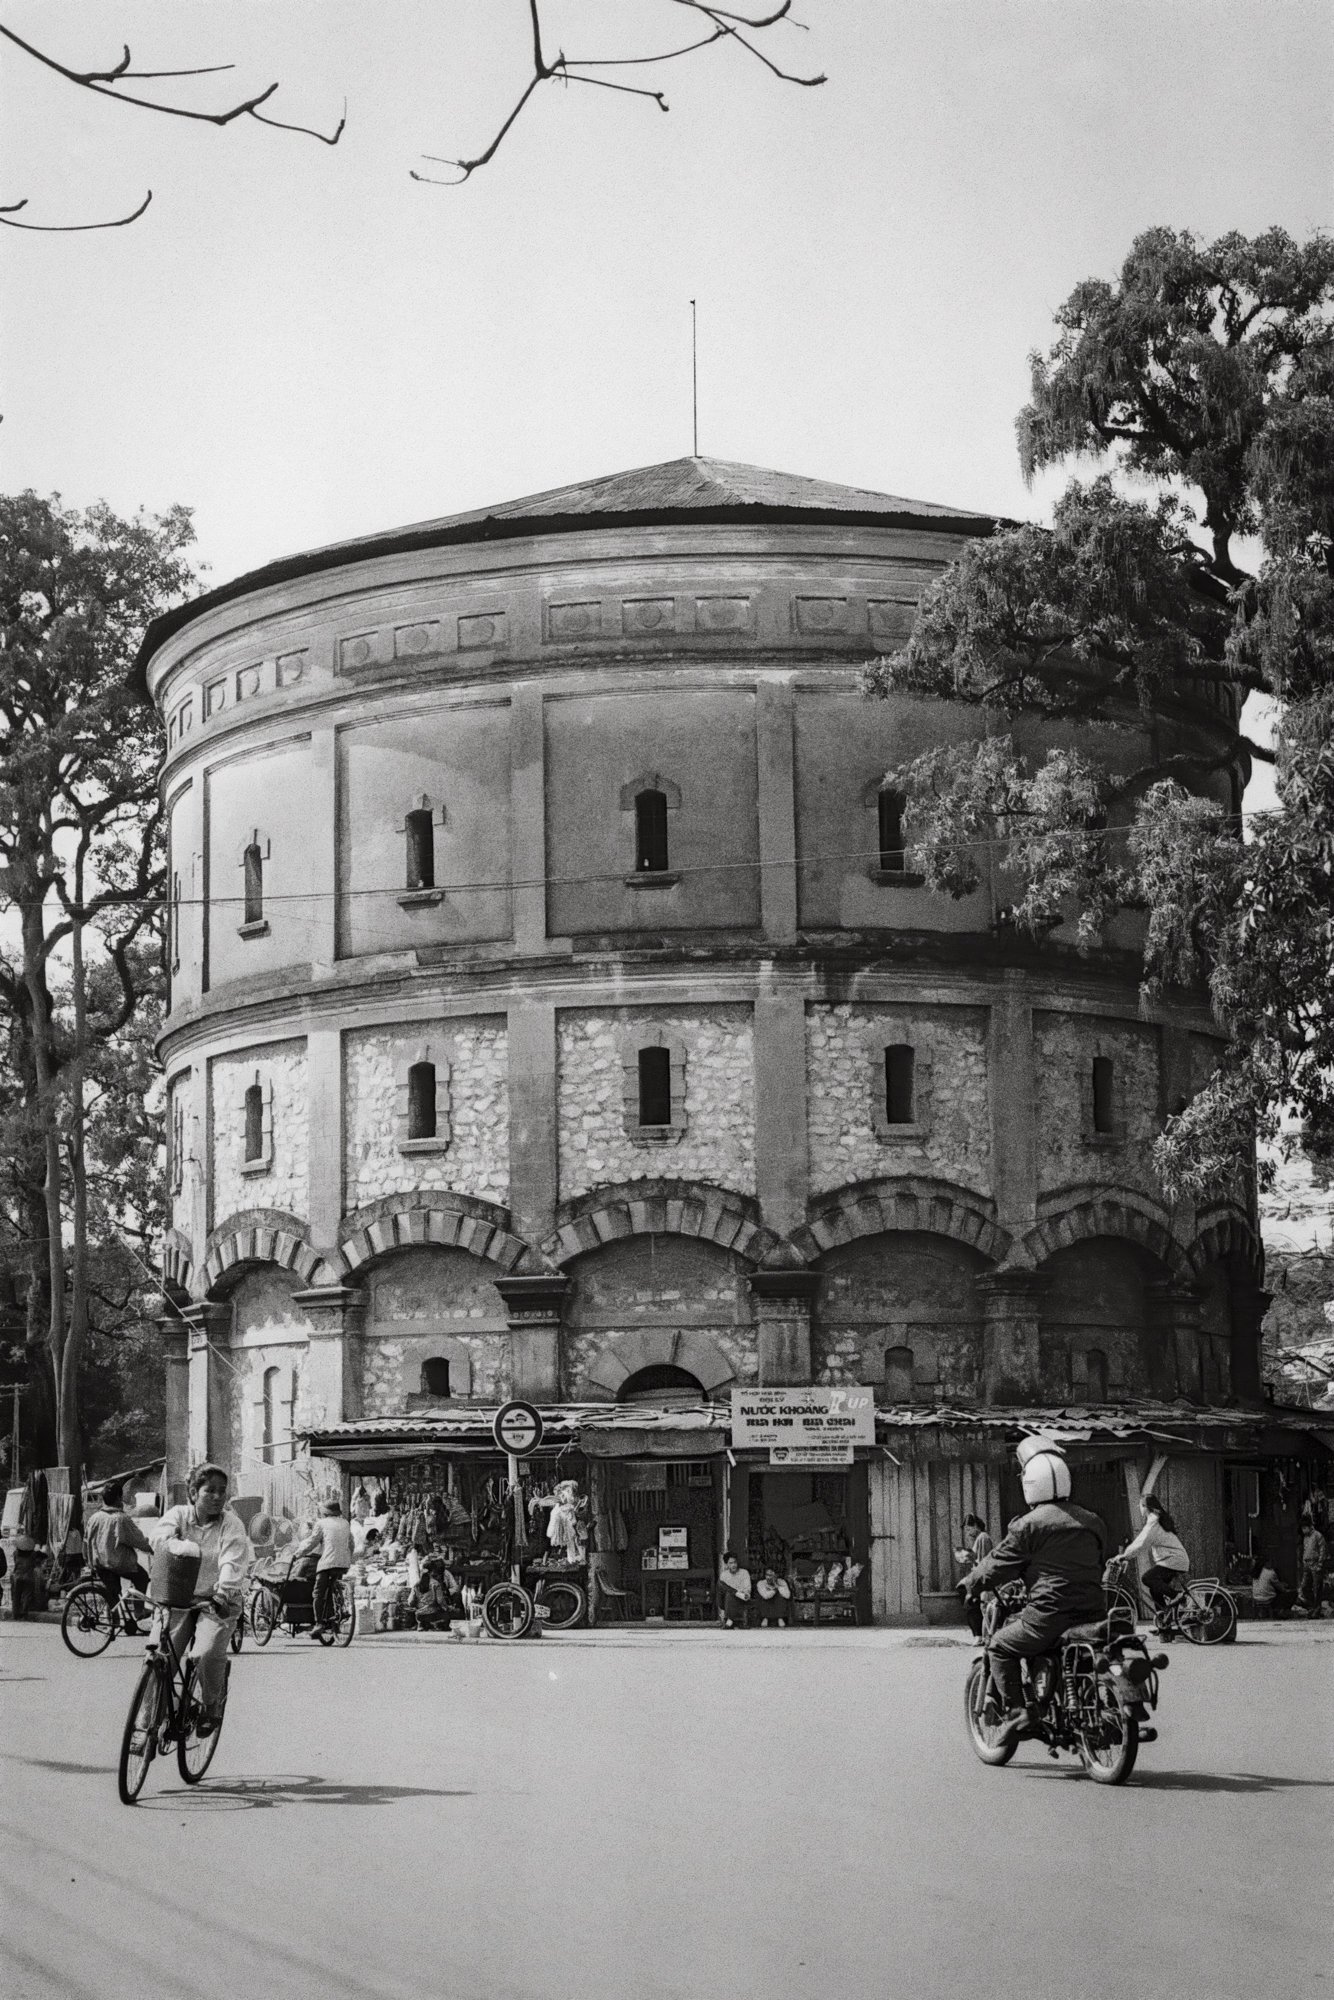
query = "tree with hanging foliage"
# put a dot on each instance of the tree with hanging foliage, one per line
(81, 886)
(1207, 373)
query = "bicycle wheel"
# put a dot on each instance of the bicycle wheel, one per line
(566, 1604)
(237, 1639)
(344, 1628)
(138, 1744)
(507, 1611)
(261, 1615)
(1108, 1749)
(1122, 1610)
(1208, 1617)
(981, 1730)
(85, 1623)
(194, 1753)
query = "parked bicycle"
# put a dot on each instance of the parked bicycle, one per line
(165, 1710)
(556, 1600)
(1203, 1610)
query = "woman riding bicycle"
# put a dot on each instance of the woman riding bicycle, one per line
(206, 1520)
(1169, 1564)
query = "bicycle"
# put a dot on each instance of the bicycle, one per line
(164, 1709)
(288, 1602)
(91, 1619)
(1203, 1611)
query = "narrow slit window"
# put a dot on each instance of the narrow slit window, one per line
(435, 1378)
(421, 1101)
(174, 925)
(899, 1085)
(254, 1123)
(254, 884)
(891, 833)
(1103, 1118)
(655, 1087)
(651, 833)
(421, 849)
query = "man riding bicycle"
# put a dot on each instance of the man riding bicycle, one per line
(1059, 1550)
(114, 1542)
(206, 1520)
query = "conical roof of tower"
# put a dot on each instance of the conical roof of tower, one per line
(692, 489)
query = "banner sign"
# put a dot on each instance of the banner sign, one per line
(844, 1416)
(810, 1454)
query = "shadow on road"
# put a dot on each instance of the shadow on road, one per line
(1243, 1784)
(251, 1794)
(67, 1770)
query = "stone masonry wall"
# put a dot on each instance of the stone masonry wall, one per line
(719, 1142)
(476, 1159)
(580, 1348)
(284, 1182)
(378, 1368)
(1063, 1053)
(844, 1145)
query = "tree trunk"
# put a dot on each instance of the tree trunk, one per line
(48, 1111)
(71, 1440)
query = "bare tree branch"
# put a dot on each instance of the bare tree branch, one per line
(569, 69)
(69, 228)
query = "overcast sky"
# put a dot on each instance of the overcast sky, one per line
(303, 344)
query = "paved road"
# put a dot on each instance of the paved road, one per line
(665, 1816)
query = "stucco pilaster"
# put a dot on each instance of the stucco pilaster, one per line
(322, 918)
(777, 810)
(534, 1158)
(1011, 1090)
(328, 1388)
(1011, 1336)
(175, 1332)
(324, 1086)
(533, 1307)
(208, 1433)
(782, 1151)
(528, 839)
(782, 1305)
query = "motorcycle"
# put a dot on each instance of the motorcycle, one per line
(1093, 1696)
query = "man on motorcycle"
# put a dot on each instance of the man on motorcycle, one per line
(1059, 1550)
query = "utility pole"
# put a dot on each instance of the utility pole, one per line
(694, 383)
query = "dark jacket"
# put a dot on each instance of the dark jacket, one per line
(1059, 1550)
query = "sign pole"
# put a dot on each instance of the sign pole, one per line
(516, 1494)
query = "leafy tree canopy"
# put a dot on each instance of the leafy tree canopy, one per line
(1209, 372)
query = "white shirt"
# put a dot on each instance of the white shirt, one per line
(737, 1580)
(1160, 1545)
(224, 1547)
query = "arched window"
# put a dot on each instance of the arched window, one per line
(253, 863)
(1095, 1363)
(651, 833)
(1104, 1113)
(655, 1086)
(254, 1122)
(663, 1385)
(890, 806)
(421, 1101)
(899, 1084)
(270, 1415)
(421, 848)
(435, 1378)
(898, 1374)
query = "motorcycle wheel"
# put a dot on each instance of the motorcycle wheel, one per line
(1109, 1755)
(981, 1733)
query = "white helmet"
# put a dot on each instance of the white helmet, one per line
(1046, 1477)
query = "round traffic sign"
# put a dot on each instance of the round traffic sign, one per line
(518, 1429)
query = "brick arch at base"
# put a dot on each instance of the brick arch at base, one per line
(665, 1208)
(260, 1236)
(1126, 1215)
(625, 1354)
(1224, 1233)
(910, 1203)
(423, 1222)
